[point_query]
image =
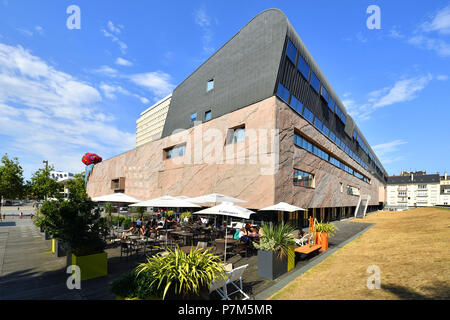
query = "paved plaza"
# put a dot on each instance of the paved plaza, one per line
(28, 269)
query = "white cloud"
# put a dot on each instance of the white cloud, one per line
(49, 114)
(386, 151)
(441, 47)
(110, 92)
(106, 70)
(158, 83)
(403, 90)
(202, 19)
(123, 62)
(113, 29)
(39, 30)
(440, 23)
(442, 77)
(25, 32)
(113, 35)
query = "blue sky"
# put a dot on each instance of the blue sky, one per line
(66, 92)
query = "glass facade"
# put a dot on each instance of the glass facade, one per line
(303, 67)
(308, 115)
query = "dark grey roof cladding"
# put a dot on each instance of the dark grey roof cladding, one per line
(429, 178)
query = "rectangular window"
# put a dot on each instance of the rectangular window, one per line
(208, 115)
(325, 130)
(332, 136)
(338, 111)
(283, 93)
(331, 104)
(238, 135)
(315, 83)
(318, 124)
(174, 152)
(343, 118)
(303, 67)
(303, 179)
(194, 117)
(308, 115)
(210, 85)
(296, 104)
(324, 93)
(291, 51)
(338, 142)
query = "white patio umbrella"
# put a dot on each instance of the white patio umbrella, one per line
(166, 202)
(228, 209)
(116, 197)
(283, 207)
(215, 198)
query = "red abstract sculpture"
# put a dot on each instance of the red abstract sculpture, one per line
(91, 158)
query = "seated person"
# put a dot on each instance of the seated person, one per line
(253, 233)
(146, 230)
(129, 231)
(243, 236)
(300, 235)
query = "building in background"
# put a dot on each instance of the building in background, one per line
(150, 124)
(60, 175)
(262, 91)
(413, 189)
(444, 195)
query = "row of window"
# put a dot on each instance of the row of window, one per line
(295, 103)
(237, 135)
(292, 53)
(207, 116)
(314, 149)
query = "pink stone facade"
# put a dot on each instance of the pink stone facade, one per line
(258, 170)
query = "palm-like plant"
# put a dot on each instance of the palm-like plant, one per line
(185, 274)
(109, 208)
(325, 227)
(277, 238)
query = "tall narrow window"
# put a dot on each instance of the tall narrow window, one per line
(296, 104)
(291, 51)
(303, 67)
(318, 123)
(208, 115)
(315, 82)
(283, 93)
(308, 115)
(324, 93)
(193, 117)
(238, 135)
(210, 85)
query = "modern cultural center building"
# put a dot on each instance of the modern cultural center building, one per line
(258, 121)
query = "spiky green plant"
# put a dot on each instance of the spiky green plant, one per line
(183, 274)
(277, 237)
(326, 227)
(186, 214)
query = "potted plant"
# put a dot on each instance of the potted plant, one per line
(275, 250)
(185, 216)
(78, 223)
(134, 286)
(178, 275)
(324, 230)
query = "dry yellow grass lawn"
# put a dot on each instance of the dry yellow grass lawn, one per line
(410, 247)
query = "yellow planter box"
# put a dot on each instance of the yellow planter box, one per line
(291, 258)
(92, 266)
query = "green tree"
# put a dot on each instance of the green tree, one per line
(11, 178)
(109, 208)
(42, 186)
(76, 188)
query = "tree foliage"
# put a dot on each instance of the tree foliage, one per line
(42, 186)
(11, 178)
